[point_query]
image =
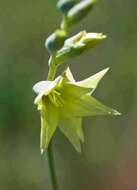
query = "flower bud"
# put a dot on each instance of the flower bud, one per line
(65, 5)
(56, 40)
(80, 10)
(92, 39)
(77, 44)
(76, 38)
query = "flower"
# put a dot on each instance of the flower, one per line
(64, 102)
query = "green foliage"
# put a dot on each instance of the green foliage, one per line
(62, 101)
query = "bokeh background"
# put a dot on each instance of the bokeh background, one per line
(109, 158)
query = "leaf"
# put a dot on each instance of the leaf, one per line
(71, 128)
(49, 122)
(85, 106)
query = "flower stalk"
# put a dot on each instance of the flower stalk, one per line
(52, 68)
(51, 165)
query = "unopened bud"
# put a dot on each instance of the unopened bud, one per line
(76, 38)
(80, 10)
(65, 5)
(56, 40)
(92, 39)
(77, 44)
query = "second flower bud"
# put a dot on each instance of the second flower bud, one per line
(55, 41)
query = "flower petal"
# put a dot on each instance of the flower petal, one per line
(69, 75)
(70, 128)
(45, 87)
(71, 90)
(49, 122)
(41, 86)
(79, 129)
(85, 106)
(52, 85)
(92, 81)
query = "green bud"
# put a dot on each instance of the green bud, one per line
(92, 39)
(65, 5)
(77, 44)
(56, 40)
(76, 38)
(80, 10)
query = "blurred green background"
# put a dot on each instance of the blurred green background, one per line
(109, 158)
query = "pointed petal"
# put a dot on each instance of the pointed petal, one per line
(69, 127)
(92, 81)
(70, 90)
(69, 75)
(49, 122)
(80, 131)
(86, 106)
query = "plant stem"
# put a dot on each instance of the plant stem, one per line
(52, 72)
(52, 68)
(52, 167)
(51, 75)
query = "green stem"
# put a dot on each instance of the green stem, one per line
(65, 25)
(52, 68)
(52, 167)
(52, 72)
(51, 76)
